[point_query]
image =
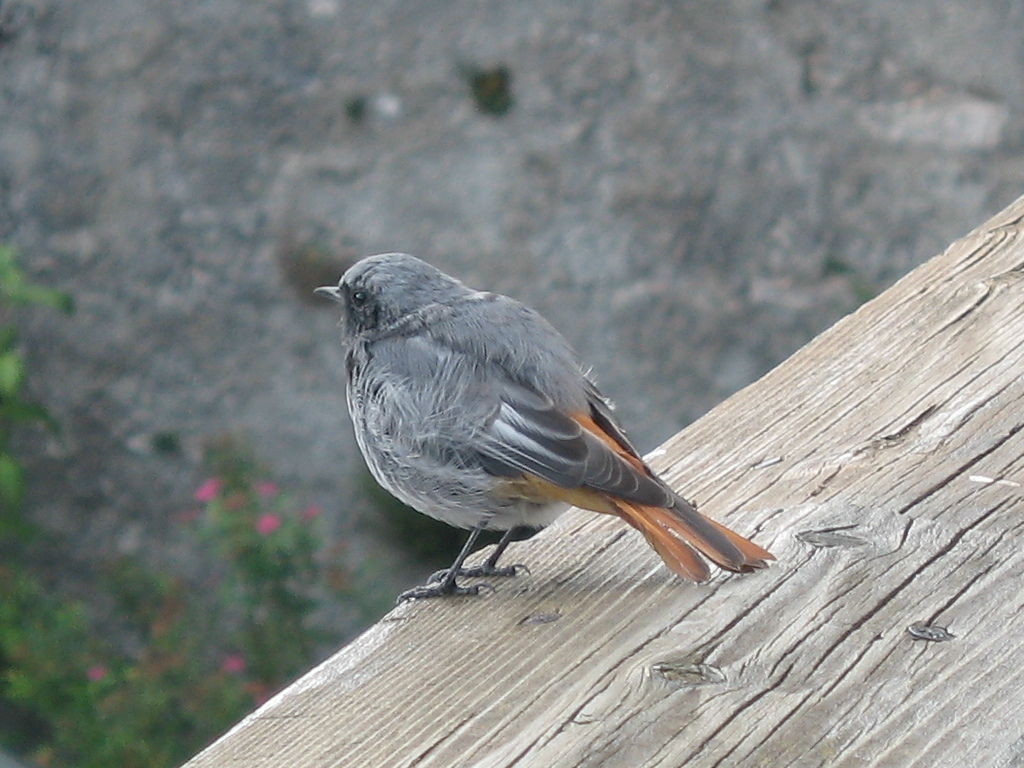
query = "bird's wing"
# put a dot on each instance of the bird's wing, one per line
(487, 403)
(527, 434)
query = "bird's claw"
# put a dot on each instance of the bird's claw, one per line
(480, 571)
(441, 589)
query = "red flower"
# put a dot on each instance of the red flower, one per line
(209, 490)
(233, 664)
(268, 523)
(96, 672)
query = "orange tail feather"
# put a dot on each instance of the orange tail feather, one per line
(675, 533)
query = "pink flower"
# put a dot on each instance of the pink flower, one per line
(312, 511)
(233, 664)
(209, 489)
(266, 489)
(268, 523)
(96, 672)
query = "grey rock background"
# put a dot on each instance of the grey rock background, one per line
(690, 191)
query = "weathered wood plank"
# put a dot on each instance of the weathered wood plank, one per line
(883, 464)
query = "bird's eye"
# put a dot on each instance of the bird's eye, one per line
(359, 297)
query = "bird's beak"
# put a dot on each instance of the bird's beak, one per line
(331, 292)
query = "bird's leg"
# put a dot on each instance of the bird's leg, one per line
(488, 567)
(445, 584)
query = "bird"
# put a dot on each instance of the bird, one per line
(473, 409)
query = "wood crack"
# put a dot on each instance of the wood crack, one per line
(970, 583)
(906, 533)
(935, 488)
(440, 740)
(969, 309)
(891, 594)
(892, 438)
(728, 721)
(708, 644)
(777, 727)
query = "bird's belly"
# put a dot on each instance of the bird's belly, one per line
(459, 496)
(428, 474)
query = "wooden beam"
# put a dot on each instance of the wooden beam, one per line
(883, 464)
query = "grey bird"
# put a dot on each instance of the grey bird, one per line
(471, 408)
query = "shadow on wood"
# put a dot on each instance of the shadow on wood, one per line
(883, 464)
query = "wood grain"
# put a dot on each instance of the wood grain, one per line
(883, 464)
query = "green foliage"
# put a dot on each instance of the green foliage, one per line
(491, 88)
(200, 659)
(183, 664)
(270, 548)
(17, 289)
(356, 108)
(94, 707)
(166, 442)
(14, 408)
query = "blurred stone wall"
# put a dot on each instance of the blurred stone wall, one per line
(689, 190)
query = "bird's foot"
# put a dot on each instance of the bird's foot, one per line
(484, 570)
(441, 588)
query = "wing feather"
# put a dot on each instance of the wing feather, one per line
(527, 434)
(455, 405)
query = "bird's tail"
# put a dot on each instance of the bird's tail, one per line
(679, 532)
